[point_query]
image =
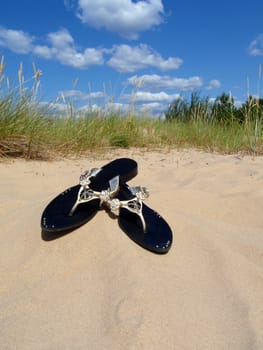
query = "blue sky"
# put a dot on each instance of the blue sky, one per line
(111, 53)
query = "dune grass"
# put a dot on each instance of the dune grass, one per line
(30, 129)
(32, 133)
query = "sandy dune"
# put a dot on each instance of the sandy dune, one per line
(96, 289)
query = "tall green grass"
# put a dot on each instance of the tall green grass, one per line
(30, 129)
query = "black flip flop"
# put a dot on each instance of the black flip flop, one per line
(78, 204)
(141, 223)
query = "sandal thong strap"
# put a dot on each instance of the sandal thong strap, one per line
(134, 205)
(86, 194)
(85, 177)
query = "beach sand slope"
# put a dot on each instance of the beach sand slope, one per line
(94, 288)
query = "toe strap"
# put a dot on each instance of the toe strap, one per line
(87, 194)
(134, 205)
(84, 179)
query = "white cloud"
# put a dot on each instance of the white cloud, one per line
(61, 39)
(90, 108)
(112, 107)
(16, 40)
(146, 96)
(213, 84)
(127, 58)
(81, 96)
(155, 81)
(55, 107)
(59, 107)
(72, 94)
(152, 107)
(256, 46)
(144, 101)
(106, 109)
(149, 102)
(70, 57)
(69, 4)
(43, 51)
(125, 17)
(62, 48)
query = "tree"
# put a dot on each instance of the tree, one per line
(197, 107)
(224, 108)
(251, 110)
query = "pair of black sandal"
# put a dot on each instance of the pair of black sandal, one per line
(106, 187)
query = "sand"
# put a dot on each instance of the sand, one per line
(96, 289)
